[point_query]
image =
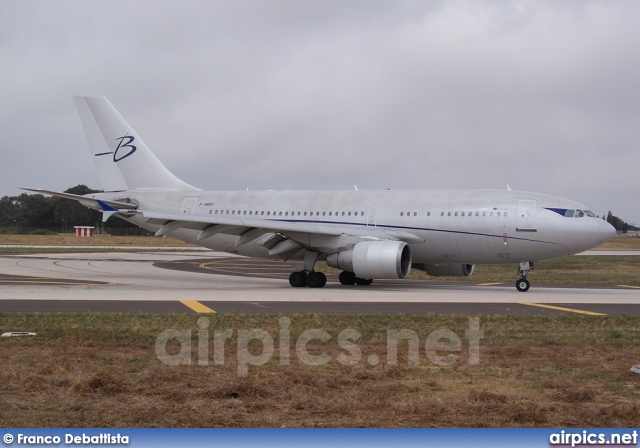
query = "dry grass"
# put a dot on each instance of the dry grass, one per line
(101, 371)
(97, 240)
(621, 243)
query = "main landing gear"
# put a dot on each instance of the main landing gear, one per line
(312, 279)
(523, 284)
(349, 278)
(308, 277)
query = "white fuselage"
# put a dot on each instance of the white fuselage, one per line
(441, 226)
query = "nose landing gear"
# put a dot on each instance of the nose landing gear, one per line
(523, 284)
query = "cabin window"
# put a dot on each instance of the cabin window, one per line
(490, 213)
(477, 213)
(401, 213)
(505, 214)
(428, 213)
(324, 213)
(448, 213)
(498, 214)
(456, 213)
(342, 213)
(462, 213)
(484, 213)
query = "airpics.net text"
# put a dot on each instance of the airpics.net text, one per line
(441, 347)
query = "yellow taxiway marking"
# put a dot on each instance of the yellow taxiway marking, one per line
(559, 308)
(629, 286)
(489, 284)
(197, 306)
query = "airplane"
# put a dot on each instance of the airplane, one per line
(366, 234)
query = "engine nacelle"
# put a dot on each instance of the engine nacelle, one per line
(447, 269)
(374, 259)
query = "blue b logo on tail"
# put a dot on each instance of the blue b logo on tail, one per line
(125, 142)
(121, 145)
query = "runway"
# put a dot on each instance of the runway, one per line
(209, 282)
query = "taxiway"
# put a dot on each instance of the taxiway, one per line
(209, 282)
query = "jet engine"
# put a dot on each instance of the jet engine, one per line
(447, 269)
(374, 259)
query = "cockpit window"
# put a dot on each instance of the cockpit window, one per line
(572, 213)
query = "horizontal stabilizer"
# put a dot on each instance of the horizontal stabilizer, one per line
(97, 204)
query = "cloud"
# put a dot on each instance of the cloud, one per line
(322, 95)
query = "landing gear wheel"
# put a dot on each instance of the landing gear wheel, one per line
(363, 282)
(298, 279)
(347, 278)
(522, 285)
(316, 279)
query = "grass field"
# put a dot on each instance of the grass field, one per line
(101, 370)
(97, 240)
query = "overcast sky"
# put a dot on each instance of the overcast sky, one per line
(540, 95)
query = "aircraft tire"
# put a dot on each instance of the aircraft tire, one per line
(298, 279)
(316, 279)
(363, 281)
(523, 285)
(347, 278)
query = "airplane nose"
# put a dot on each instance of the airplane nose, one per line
(605, 231)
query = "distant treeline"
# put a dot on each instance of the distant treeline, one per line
(35, 213)
(619, 224)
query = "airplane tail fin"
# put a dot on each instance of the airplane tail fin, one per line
(123, 160)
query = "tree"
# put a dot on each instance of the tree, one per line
(616, 222)
(72, 213)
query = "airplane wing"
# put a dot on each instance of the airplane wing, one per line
(277, 235)
(171, 222)
(280, 236)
